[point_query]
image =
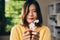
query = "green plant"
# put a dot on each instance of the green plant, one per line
(12, 13)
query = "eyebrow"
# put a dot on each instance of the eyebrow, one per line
(33, 9)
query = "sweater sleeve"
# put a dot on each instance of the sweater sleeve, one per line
(14, 34)
(47, 34)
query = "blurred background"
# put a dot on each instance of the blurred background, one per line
(10, 11)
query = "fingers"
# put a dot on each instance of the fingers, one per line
(29, 34)
(26, 31)
(26, 35)
(35, 35)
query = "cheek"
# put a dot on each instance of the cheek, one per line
(35, 15)
(27, 17)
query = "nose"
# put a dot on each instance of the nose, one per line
(30, 13)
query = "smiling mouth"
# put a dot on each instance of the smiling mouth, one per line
(31, 18)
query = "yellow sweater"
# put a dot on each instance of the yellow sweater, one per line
(16, 32)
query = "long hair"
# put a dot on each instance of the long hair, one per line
(26, 10)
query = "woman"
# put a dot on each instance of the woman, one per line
(30, 12)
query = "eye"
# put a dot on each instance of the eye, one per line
(34, 11)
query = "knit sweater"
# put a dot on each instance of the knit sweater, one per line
(17, 30)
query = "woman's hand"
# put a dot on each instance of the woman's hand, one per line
(30, 35)
(26, 35)
(35, 35)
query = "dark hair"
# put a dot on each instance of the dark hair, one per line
(26, 5)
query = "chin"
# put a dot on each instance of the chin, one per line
(30, 21)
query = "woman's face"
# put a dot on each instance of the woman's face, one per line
(32, 14)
